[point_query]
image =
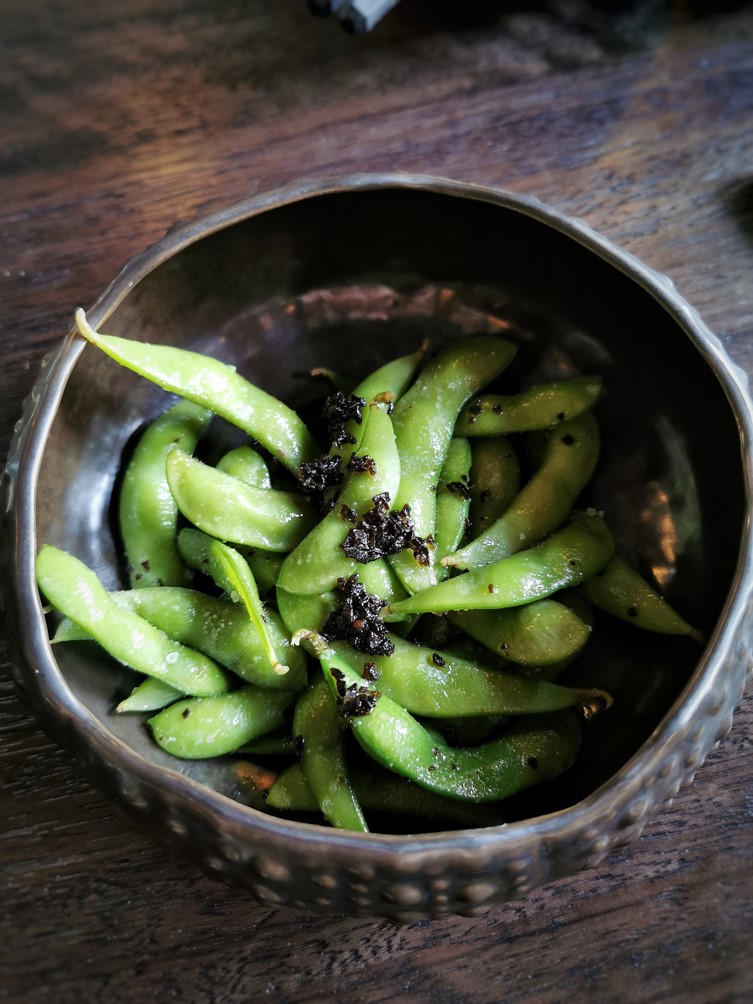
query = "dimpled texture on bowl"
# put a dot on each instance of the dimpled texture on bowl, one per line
(346, 273)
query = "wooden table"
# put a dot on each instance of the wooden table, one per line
(116, 120)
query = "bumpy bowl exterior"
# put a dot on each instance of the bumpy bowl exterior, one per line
(309, 866)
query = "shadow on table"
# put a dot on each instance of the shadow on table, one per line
(738, 200)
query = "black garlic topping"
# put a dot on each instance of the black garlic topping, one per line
(357, 620)
(383, 531)
(338, 410)
(354, 701)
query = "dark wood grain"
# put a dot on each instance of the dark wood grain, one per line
(118, 120)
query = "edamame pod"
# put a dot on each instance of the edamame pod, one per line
(232, 574)
(536, 747)
(218, 628)
(216, 386)
(544, 406)
(147, 513)
(300, 612)
(319, 560)
(545, 502)
(77, 593)
(266, 567)
(446, 685)
(380, 790)
(387, 384)
(232, 511)
(150, 695)
(453, 501)
(246, 464)
(536, 634)
(319, 726)
(495, 481)
(199, 728)
(277, 743)
(622, 592)
(567, 558)
(424, 422)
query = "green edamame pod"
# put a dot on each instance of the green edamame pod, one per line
(319, 560)
(567, 558)
(320, 728)
(622, 592)
(150, 695)
(232, 574)
(536, 747)
(246, 464)
(536, 634)
(383, 387)
(545, 502)
(495, 481)
(339, 381)
(278, 743)
(216, 627)
(379, 790)
(424, 422)
(453, 501)
(216, 386)
(148, 515)
(387, 384)
(198, 728)
(300, 612)
(447, 685)
(76, 592)
(230, 510)
(266, 567)
(544, 406)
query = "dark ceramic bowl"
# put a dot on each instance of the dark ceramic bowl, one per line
(343, 273)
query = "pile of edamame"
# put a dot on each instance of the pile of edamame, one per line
(386, 614)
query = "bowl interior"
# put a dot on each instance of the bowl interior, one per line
(349, 279)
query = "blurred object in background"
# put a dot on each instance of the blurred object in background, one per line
(626, 21)
(357, 16)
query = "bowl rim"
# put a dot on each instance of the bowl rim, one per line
(76, 727)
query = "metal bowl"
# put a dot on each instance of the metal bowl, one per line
(342, 273)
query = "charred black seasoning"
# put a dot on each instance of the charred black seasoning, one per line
(354, 701)
(361, 465)
(338, 410)
(383, 531)
(317, 475)
(458, 488)
(370, 672)
(357, 620)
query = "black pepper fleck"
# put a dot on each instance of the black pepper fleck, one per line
(370, 672)
(458, 488)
